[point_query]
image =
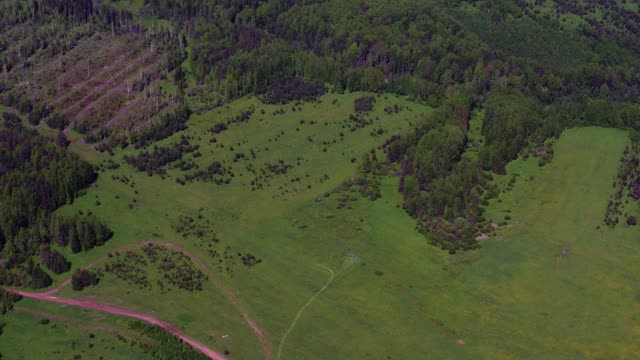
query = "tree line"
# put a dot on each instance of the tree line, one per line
(37, 177)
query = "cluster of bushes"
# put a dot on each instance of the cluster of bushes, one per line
(199, 228)
(366, 185)
(356, 121)
(153, 162)
(35, 112)
(84, 278)
(278, 168)
(243, 116)
(218, 128)
(164, 345)
(249, 259)
(175, 267)
(215, 172)
(129, 267)
(364, 104)
(262, 177)
(626, 184)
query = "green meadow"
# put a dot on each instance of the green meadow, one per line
(31, 334)
(361, 282)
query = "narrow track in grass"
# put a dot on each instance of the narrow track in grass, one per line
(332, 275)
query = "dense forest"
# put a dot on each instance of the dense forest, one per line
(164, 87)
(37, 176)
(532, 70)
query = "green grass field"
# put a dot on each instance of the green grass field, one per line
(362, 283)
(65, 335)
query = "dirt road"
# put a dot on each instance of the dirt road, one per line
(262, 335)
(123, 312)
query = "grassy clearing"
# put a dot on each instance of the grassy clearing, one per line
(527, 303)
(392, 295)
(245, 220)
(30, 334)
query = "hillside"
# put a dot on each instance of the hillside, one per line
(319, 179)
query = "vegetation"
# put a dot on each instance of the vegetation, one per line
(165, 346)
(37, 177)
(306, 149)
(83, 278)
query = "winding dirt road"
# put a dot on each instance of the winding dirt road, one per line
(123, 312)
(47, 296)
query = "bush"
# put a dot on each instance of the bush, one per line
(364, 104)
(83, 278)
(57, 121)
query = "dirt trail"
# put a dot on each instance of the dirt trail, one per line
(231, 297)
(304, 307)
(123, 312)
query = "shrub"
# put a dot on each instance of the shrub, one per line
(364, 104)
(83, 278)
(57, 121)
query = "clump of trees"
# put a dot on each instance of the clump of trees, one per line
(80, 232)
(218, 128)
(215, 172)
(626, 185)
(510, 119)
(83, 278)
(7, 299)
(176, 268)
(153, 162)
(129, 267)
(364, 103)
(440, 187)
(57, 121)
(167, 125)
(53, 260)
(164, 345)
(284, 90)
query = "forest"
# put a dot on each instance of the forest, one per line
(37, 176)
(445, 54)
(298, 145)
